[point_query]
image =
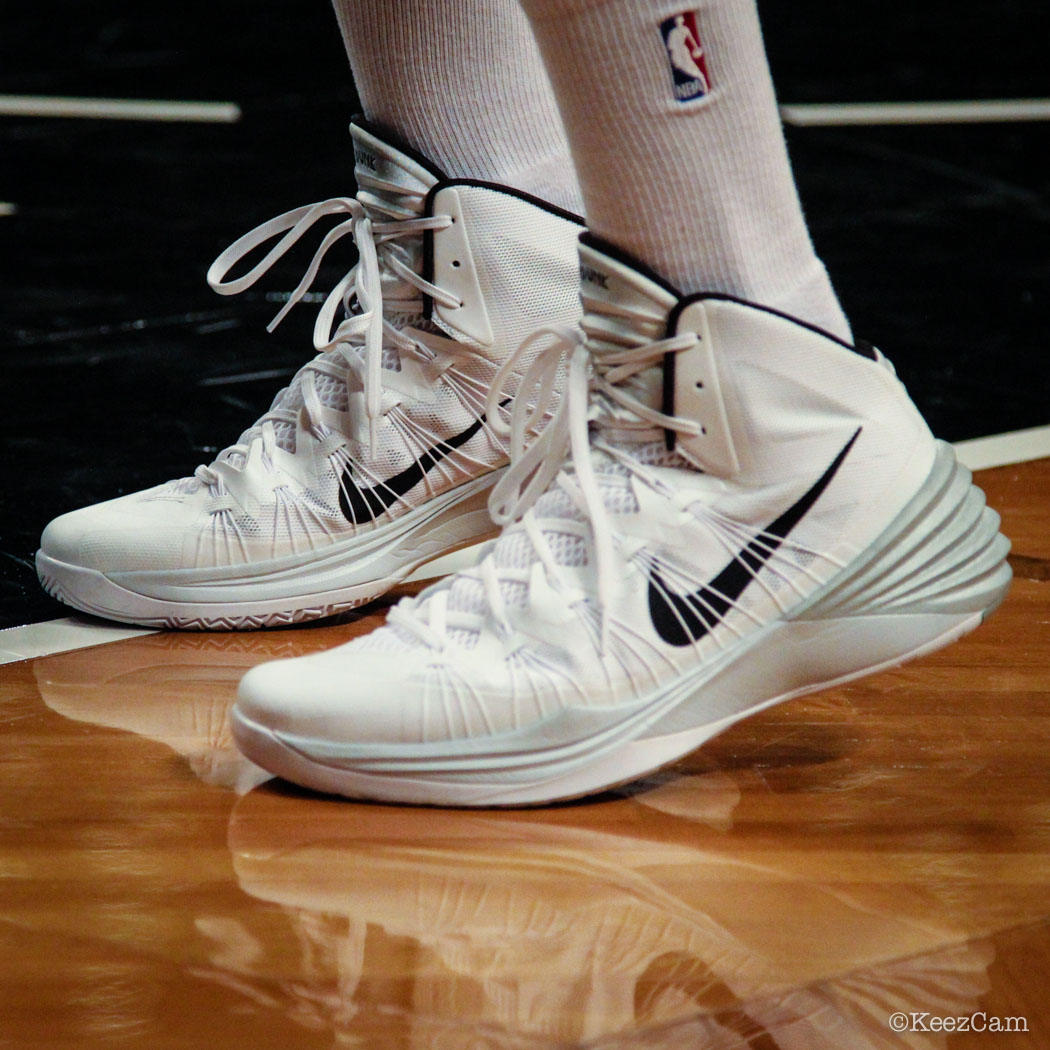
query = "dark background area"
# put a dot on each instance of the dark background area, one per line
(119, 366)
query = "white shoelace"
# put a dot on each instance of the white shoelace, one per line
(561, 455)
(363, 332)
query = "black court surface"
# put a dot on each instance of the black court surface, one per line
(121, 369)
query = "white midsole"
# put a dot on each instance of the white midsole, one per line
(348, 572)
(665, 725)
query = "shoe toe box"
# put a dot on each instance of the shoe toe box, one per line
(342, 697)
(142, 531)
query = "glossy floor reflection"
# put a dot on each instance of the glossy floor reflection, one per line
(868, 851)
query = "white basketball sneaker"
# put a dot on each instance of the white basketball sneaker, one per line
(378, 456)
(736, 509)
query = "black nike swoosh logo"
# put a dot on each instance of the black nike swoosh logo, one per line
(681, 619)
(361, 505)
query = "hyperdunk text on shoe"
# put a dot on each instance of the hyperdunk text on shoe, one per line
(379, 455)
(730, 508)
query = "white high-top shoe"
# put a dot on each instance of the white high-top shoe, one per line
(379, 455)
(736, 509)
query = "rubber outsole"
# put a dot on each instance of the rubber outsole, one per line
(55, 576)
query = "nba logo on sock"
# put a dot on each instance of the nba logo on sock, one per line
(686, 56)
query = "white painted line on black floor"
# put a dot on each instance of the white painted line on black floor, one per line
(245, 377)
(8, 209)
(60, 636)
(119, 109)
(840, 114)
(1003, 450)
(65, 635)
(802, 114)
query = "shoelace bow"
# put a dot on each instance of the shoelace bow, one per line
(561, 454)
(363, 331)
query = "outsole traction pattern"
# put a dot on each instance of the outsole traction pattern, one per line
(209, 623)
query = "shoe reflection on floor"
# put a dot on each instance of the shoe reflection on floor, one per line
(480, 929)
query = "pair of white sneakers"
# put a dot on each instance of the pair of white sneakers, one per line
(709, 507)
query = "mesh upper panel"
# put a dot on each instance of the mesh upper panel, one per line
(514, 550)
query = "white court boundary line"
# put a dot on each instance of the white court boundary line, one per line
(800, 114)
(69, 633)
(119, 109)
(60, 636)
(1004, 450)
(985, 111)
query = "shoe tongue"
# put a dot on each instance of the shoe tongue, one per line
(392, 185)
(390, 175)
(624, 307)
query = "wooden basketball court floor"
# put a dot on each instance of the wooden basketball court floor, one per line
(805, 881)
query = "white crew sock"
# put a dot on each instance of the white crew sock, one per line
(701, 189)
(462, 82)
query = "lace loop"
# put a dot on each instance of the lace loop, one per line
(293, 224)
